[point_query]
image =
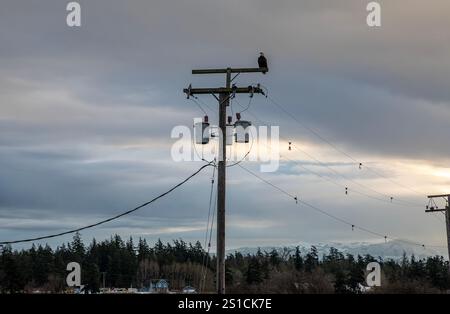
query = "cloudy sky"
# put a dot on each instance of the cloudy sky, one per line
(86, 115)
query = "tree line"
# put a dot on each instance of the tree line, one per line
(118, 263)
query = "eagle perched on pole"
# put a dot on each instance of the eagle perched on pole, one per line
(262, 62)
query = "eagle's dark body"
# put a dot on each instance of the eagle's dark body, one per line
(262, 62)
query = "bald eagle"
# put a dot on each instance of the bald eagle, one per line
(262, 62)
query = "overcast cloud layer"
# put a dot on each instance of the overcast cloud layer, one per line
(86, 115)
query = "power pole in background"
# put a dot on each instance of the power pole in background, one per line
(224, 99)
(104, 274)
(432, 207)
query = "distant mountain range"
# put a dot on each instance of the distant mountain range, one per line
(390, 250)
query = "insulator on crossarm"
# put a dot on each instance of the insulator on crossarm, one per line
(188, 94)
(233, 91)
(251, 91)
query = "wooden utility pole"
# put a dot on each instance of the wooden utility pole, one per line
(224, 95)
(434, 208)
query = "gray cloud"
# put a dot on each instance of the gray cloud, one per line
(86, 114)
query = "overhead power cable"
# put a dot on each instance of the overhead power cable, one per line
(210, 227)
(382, 198)
(205, 257)
(199, 106)
(358, 162)
(386, 198)
(333, 216)
(248, 105)
(339, 219)
(112, 218)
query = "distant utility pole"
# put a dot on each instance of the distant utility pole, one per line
(434, 208)
(104, 274)
(223, 94)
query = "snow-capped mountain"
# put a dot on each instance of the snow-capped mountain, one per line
(390, 250)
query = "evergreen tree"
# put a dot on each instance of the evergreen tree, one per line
(298, 259)
(275, 259)
(43, 269)
(77, 248)
(254, 274)
(311, 260)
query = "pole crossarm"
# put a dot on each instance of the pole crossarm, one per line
(436, 210)
(432, 207)
(230, 70)
(441, 195)
(223, 90)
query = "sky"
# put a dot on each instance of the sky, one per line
(86, 115)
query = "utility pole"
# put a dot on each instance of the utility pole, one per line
(223, 95)
(103, 273)
(432, 207)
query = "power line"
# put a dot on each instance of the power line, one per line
(248, 105)
(112, 218)
(198, 105)
(205, 257)
(389, 197)
(390, 201)
(318, 135)
(210, 228)
(210, 204)
(386, 198)
(343, 186)
(341, 220)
